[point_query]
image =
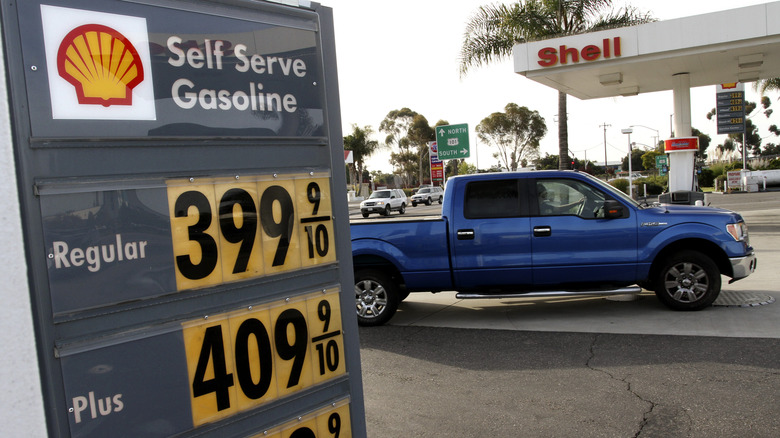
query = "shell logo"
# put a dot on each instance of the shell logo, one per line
(102, 65)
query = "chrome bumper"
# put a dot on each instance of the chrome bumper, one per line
(743, 266)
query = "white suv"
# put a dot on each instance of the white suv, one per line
(427, 195)
(383, 202)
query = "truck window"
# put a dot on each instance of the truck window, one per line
(492, 199)
(561, 197)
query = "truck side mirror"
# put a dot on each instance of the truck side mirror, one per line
(613, 209)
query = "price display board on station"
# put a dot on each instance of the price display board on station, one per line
(730, 107)
(187, 228)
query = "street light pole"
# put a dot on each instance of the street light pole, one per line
(657, 133)
(606, 174)
(628, 131)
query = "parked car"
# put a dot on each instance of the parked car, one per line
(383, 202)
(427, 195)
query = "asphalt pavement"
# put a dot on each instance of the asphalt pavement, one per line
(586, 367)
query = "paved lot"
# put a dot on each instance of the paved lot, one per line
(590, 367)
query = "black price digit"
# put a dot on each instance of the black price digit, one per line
(313, 194)
(334, 424)
(213, 349)
(253, 327)
(328, 355)
(303, 432)
(323, 313)
(196, 232)
(295, 351)
(248, 230)
(317, 239)
(282, 229)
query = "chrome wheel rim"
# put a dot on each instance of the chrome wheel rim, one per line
(370, 298)
(686, 282)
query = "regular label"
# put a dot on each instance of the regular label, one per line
(240, 360)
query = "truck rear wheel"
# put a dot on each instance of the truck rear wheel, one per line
(688, 280)
(376, 297)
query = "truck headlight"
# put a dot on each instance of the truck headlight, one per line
(738, 231)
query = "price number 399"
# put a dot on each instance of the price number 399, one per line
(240, 360)
(231, 229)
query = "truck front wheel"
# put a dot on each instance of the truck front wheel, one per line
(688, 280)
(376, 297)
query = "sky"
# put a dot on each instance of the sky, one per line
(393, 54)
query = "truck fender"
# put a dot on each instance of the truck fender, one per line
(375, 249)
(712, 241)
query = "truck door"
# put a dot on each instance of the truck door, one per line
(573, 244)
(492, 242)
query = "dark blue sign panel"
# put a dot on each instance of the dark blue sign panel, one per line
(244, 77)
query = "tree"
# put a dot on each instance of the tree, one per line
(407, 130)
(515, 133)
(362, 147)
(420, 134)
(494, 29)
(765, 85)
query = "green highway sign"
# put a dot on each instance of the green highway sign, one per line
(453, 141)
(660, 161)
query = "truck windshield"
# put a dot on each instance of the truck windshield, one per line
(613, 191)
(380, 194)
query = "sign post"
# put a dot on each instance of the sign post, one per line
(437, 166)
(179, 172)
(453, 141)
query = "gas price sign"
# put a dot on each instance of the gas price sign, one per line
(176, 170)
(183, 234)
(210, 368)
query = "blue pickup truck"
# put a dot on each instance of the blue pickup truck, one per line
(547, 233)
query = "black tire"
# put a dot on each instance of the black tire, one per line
(440, 200)
(402, 210)
(414, 203)
(428, 201)
(365, 214)
(376, 297)
(688, 280)
(387, 211)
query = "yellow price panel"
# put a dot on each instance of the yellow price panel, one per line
(239, 360)
(281, 250)
(330, 422)
(327, 342)
(316, 220)
(239, 245)
(194, 225)
(231, 229)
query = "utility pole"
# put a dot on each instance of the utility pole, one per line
(605, 126)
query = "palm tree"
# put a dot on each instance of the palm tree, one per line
(765, 85)
(494, 29)
(362, 147)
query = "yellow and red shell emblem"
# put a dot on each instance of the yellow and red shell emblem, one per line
(101, 64)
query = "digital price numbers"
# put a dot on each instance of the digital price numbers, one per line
(230, 229)
(330, 422)
(239, 360)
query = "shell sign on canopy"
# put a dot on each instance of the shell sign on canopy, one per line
(99, 66)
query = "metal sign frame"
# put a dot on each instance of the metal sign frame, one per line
(112, 206)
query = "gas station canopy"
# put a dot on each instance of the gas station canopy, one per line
(738, 45)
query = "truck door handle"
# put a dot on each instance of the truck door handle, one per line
(465, 234)
(542, 231)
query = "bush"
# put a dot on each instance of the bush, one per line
(706, 178)
(620, 184)
(774, 164)
(719, 181)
